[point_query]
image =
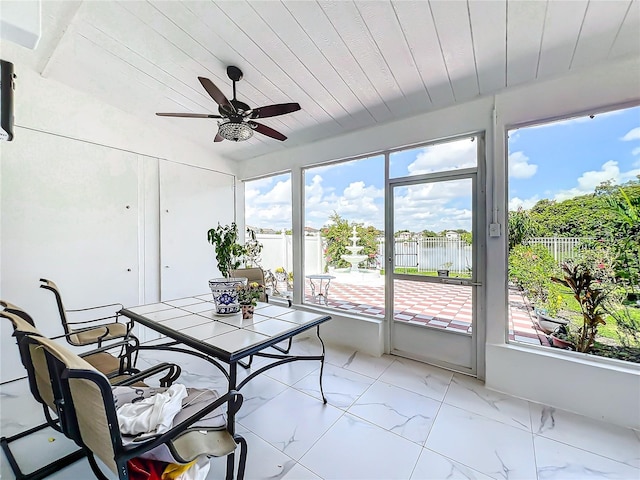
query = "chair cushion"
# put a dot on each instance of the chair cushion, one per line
(213, 443)
(103, 362)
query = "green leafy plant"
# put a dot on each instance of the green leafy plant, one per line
(250, 293)
(624, 236)
(520, 227)
(337, 237)
(531, 267)
(229, 252)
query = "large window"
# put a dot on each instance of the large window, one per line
(574, 234)
(344, 232)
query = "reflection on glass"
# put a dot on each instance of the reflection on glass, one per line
(344, 236)
(268, 216)
(432, 228)
(435, 305)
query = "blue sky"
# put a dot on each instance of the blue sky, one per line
(568, 158)
(557, 161)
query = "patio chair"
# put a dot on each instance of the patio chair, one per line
(254, 274)
(111, 365)
(23, 325)
(94, 330)
(86, 404)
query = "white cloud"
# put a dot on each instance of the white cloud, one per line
(519, 166)
(588, 181)
(526, 203)
(445, 156)
(633, 134)
(437, 207)
(635, 151)
(271, 209)
(358, 203)
(280, 193)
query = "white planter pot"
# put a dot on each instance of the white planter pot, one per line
(225, 294)
(547, 323)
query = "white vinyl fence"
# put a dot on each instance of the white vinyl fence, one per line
(562, 248)
(432, 253)
(426, 254)
(277, 252)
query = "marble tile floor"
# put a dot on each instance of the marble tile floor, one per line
(386, 418)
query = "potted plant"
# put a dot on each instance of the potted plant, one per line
(561, 338)
(547, 310)
(444, 271)
(229, 253)
(248, 296)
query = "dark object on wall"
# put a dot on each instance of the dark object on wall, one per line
(6, 100)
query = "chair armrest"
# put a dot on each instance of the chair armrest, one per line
(99, 313)
(100, 319)
(95, 307)
(172, 374)
(120, 343)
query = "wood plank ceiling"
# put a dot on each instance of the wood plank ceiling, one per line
(350, 64)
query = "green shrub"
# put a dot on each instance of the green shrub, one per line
(531, 267)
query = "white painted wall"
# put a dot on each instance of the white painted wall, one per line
(80, 202)
(598, 388)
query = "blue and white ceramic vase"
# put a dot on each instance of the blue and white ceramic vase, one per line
(225, 294)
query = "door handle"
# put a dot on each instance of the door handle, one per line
(458, 281)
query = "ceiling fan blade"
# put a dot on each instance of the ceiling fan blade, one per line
(268, 131)
(216, 94)
(274, 110)
(189, 115)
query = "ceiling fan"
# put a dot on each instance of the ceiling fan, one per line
(236, 122)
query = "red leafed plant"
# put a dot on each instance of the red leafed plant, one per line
(590, 294)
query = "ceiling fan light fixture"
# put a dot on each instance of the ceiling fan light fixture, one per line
(234, 131)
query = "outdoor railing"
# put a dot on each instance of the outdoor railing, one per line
(426, 254)
(562, 248)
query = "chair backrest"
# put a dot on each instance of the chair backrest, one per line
(21, 320)
(82, 396)
(254, 274)
(99, 323)
(32, 360)
(51, 286)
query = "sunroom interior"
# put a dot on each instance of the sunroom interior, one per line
(113, 203)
